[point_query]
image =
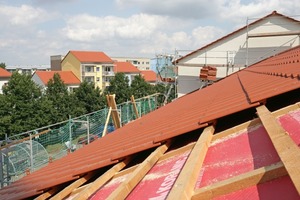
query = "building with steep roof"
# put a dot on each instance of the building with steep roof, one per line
(256, 41)
(42, 78)
(149, 76)
(4, 78)
(90, 66)
(237, 138)
(128, 69)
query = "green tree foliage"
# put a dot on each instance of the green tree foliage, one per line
(58, 95)
(140, 88)
(22, 98)
(5, 116)
(119, 85)
(89, 97)
(2, 65)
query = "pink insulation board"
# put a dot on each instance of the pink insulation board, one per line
(236, 154)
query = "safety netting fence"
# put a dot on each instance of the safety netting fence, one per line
(29, 151)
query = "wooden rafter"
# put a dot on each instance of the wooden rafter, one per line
(136, 176)
(93, 187)
(115, 115)
(286, 148)
(106, 122)
(242, 181)
(134, 107)
(185, 183)
(254, 122)
(47, 194)
(65, 192)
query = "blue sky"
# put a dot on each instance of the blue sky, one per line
(33, 30)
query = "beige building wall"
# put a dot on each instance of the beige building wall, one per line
(71, 63)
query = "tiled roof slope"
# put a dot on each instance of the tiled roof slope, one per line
(149, 75)
(274, 13)
(91, 57)
(4, 73)
(125, 67)
(239, 91)
(68, 77)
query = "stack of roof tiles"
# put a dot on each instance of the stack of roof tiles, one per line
(248, 88)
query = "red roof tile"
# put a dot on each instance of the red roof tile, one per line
(239, 91)
(91, 57)
(67, 77)
(125, 67)
(274, 13)
(149, 75)
(4, 73)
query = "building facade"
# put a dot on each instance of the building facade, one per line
(140, 63)
(256, 41)
(28, 69)
(90, 66)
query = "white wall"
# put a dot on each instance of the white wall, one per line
(3, 81)
(234, 52)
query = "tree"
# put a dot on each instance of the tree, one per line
(5, 117)
(89, 97)
(62, 103)
(2, 65)
(119, 85)
(140, 88)
(22, 97)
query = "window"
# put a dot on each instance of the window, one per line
(89, 68)
(98, 79)
(98, 69)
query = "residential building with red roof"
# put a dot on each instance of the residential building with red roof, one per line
(128, 69)
(4, 78)
(139, 62)
(255, 41)
(91, 66)
(68, 77)
(149, 76)
(238, 138)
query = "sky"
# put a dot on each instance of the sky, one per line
(33, 30)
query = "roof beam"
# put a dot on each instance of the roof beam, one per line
(254, 122)
(242, 181)
(47, 194)
(138, 174)
(65, 192)
(93, 187)
(185, 183)
(285, 33)
(286, 148)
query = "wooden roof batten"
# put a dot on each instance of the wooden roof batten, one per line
(286, 148)
(138, 174)
(184, 185)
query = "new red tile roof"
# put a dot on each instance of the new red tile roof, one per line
(91, 57)
(4, 73)
(274, 13)
(149, 75)
(242, 90)
(125, 67)
(68, 77)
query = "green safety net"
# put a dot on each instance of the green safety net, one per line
(60, 139)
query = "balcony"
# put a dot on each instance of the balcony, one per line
(108, 73)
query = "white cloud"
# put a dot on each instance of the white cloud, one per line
(86, 28)
(22, 16)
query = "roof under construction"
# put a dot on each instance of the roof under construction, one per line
(236, 138)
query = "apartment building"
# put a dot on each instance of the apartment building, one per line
(138, 62)
(90, 66)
